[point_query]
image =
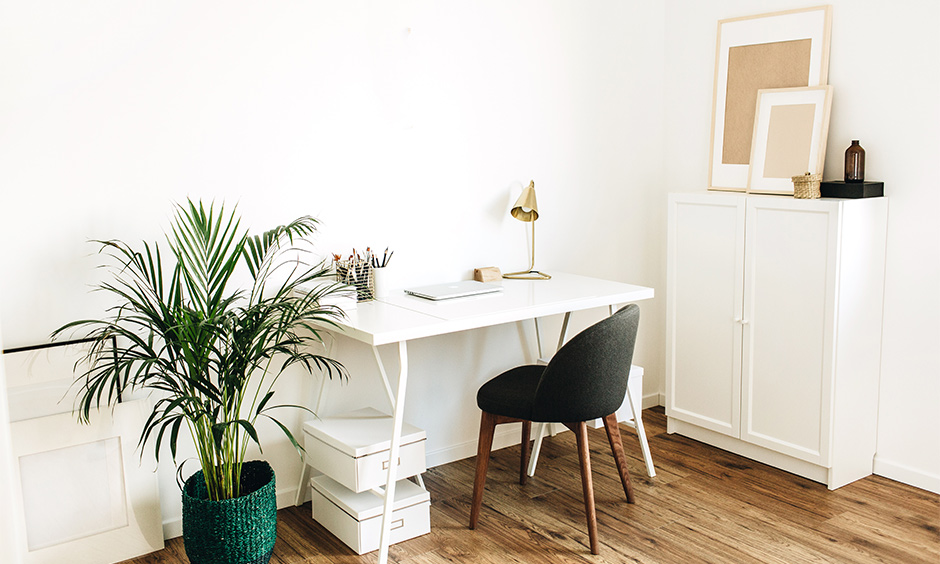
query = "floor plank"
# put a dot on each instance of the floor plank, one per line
(704, 506)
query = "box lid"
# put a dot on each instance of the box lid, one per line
(368, 504)
(360, 433)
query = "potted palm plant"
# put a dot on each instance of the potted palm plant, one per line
(209, 333)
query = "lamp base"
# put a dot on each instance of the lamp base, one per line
(527, 275)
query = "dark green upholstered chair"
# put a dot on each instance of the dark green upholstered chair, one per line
(585, 380)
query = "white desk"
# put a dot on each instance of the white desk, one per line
(399, 318)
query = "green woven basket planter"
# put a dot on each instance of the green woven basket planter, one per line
(232, 531)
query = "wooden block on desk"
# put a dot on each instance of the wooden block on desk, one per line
(487, 274)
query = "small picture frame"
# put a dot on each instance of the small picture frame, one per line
(775, 50)
(791, 126)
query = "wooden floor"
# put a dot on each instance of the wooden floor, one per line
(704, 505)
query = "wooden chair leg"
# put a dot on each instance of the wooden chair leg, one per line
(587, 483)
(487, 427)
(616, 446)
(526, 452)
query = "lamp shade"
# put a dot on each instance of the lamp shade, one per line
(525, 208)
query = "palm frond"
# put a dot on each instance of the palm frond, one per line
(185, 332)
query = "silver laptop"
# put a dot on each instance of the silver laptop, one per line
(460, 289)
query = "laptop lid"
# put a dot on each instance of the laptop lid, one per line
(453, 290)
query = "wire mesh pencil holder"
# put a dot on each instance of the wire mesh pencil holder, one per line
(357, 273)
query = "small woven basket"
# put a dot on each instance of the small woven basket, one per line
(806, 186)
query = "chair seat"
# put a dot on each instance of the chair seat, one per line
(512, 393)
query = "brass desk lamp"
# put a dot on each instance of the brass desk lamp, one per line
(526, 209)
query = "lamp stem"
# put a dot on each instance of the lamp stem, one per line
(532, 256)
(530, 273)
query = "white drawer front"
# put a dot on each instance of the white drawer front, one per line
(372, 470)
(366, 472)
(364, 536)
(407, 523)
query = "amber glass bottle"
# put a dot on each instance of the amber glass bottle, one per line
(855, 163)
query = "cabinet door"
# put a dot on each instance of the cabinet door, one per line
(704, 298)
(790, 260)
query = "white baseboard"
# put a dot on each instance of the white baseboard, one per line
(654, 400)
(907, 475)
(173, 528)
(506, 435)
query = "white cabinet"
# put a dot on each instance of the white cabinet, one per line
(774, 309)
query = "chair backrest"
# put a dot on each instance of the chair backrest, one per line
(587, 378)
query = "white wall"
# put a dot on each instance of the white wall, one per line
(412, 124)
(886, 94)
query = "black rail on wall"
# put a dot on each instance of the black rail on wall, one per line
(42, 346)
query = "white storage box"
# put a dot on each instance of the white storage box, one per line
(356, 518)
(353, 448)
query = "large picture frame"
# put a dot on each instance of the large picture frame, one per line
(776, 50)
(791, 126)
(82, 495)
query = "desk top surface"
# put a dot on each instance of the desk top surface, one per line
(401, 317)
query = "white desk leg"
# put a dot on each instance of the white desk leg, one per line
(538, 338)
(541, 432)
(641, 435)
(393, 454)
(304, 478)
(564, 331)
(304, 467)
(384, 374)
(542, 428)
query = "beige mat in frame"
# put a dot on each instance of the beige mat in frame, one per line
(83, 495)
(776, 50)
(791, 126)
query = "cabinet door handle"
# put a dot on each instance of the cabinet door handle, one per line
(385, 464)
(741, 321)
(397, 524)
